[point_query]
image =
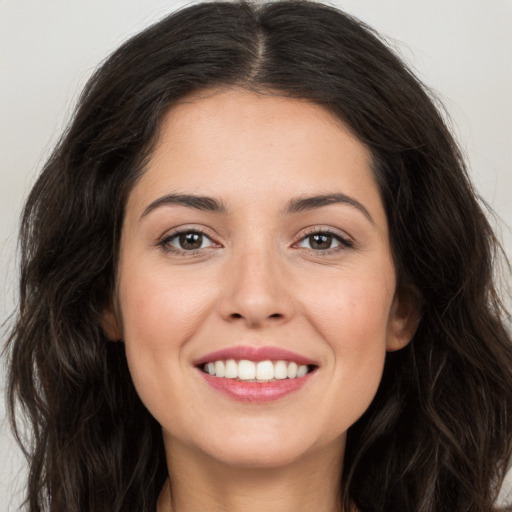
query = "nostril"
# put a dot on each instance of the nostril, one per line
(274, 315)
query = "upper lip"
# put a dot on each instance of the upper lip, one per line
(255, 354)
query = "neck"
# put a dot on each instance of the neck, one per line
(199, 482)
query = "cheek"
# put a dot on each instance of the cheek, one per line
(160, 308)
(352, 318)
(352, 313)
(160, 314)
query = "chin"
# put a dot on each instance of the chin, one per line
(263, 448)
(259, 457)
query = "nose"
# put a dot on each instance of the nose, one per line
(255, 290)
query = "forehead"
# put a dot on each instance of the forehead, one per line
(241, 145)
(238, 118)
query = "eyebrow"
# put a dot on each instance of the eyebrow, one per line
(203, 203)
(301, 204)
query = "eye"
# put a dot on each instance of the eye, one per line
(187, 241)
(323, 241)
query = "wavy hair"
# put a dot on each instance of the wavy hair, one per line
(438, 434)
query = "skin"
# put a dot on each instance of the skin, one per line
(258, 279)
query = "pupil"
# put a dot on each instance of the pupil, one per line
(191, 240)
(321, 241)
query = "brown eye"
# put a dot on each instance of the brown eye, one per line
(187, 241)
(190, 241)
(320, 241)
(323, 241)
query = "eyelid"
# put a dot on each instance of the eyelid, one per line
(163, 241)
(346, 242)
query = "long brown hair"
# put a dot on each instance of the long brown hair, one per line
(437, 436)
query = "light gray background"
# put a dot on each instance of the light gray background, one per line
(48, 49)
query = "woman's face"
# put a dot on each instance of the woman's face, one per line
(257, 233)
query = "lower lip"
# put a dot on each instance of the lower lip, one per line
(257, 392)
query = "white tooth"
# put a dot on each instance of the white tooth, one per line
(219, 368)
(265, 370)
(246, 370)
(231, 369)
(281, 370)
(210, 368)
(292, 370)
(303, 369)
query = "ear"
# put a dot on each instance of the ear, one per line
(404, 318)
(110, 324)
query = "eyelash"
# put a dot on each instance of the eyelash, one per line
(345, 243)
(164, 243)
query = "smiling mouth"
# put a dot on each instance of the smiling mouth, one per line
(261, 371)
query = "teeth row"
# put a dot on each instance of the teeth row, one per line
(249, 370)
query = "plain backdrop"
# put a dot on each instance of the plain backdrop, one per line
(462, 49)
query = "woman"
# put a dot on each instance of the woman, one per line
(255, 275)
